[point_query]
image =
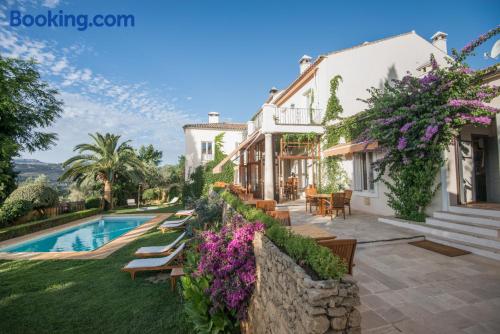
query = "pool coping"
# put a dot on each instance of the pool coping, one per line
(99, 253)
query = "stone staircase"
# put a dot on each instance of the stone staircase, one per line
(474, 230)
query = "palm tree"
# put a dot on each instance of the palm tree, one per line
(104, 160)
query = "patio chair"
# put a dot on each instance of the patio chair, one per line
(335, 203)
(155, 264)
(282, 216)
(246, 197)
(343, 248)
(266, 205)
(312, 201)
(159, 250)
(131, 202)
(347, 199)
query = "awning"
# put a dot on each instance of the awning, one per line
(249, 140)
(342, 149)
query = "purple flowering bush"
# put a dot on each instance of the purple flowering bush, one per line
(416, 118)
(224, 273)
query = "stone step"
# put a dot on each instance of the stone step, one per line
(488, 252)
(448, 233)
(463, 226)
(474, 211)
(469, 218)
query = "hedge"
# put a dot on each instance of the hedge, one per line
(304, 250)
(23, 229)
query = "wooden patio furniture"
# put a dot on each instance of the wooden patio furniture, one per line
(155, 264)
(347, 199)
(310, 199)
(246, 197)
(151, 251)
(343, 248)
(266, 205)
(282, 216)
(335, 203)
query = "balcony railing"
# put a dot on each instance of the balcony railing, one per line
(258, 121)
(298, 116)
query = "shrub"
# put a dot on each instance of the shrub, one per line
(221, 277)
(23, 229)
(92, 203)
(38, 194)
(209, 210)
(150, 194)
(305, 251)
(12, 210)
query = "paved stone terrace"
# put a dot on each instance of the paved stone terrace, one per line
(406, 289)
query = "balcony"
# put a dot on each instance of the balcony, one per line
(298, 116)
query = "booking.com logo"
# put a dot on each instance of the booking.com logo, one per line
(59, 19)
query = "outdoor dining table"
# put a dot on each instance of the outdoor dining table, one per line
(312, 231)
(322, 198)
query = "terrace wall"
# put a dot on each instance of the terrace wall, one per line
(287, 300)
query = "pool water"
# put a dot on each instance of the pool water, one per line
(85, 237)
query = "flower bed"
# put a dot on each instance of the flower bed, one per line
(221, 266)
(305, 251)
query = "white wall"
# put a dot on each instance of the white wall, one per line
(193, 138)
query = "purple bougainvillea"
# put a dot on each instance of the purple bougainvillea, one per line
(227, 257)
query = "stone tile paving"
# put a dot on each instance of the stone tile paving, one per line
(406, 289)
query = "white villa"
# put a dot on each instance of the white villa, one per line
(266, 162)
(200, 140)
(465, 211)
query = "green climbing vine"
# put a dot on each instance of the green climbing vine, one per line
(334, 176)
(299, 137)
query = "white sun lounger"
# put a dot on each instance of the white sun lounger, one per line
(154, 264)
(173, 224)
(185, 213)
(173, 201)
(159, 250)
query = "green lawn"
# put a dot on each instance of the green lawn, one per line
(88, 296)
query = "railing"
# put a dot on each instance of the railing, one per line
(258, 121)
(298, 116)
(64, 207)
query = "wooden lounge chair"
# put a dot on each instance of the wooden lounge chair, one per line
(335, 203)
(347, 199)
(173, 224)
(184, 213)
(159, 250)
(173, 201)
(266, 205)
(282, 216)
(343, 248)
(155, 264)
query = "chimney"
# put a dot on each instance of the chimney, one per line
(304, 63)
(213, 117)
(273, 91)
(439, 41)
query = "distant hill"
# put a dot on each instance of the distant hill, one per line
(31, 168)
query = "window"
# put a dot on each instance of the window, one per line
(206, 151)
(364, 172)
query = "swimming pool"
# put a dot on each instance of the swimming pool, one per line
(85, 237)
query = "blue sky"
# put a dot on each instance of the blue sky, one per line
(183, 59)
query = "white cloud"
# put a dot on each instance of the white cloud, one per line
(95, 103)
(50, 3)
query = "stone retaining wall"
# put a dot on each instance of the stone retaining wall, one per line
(286, 300)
